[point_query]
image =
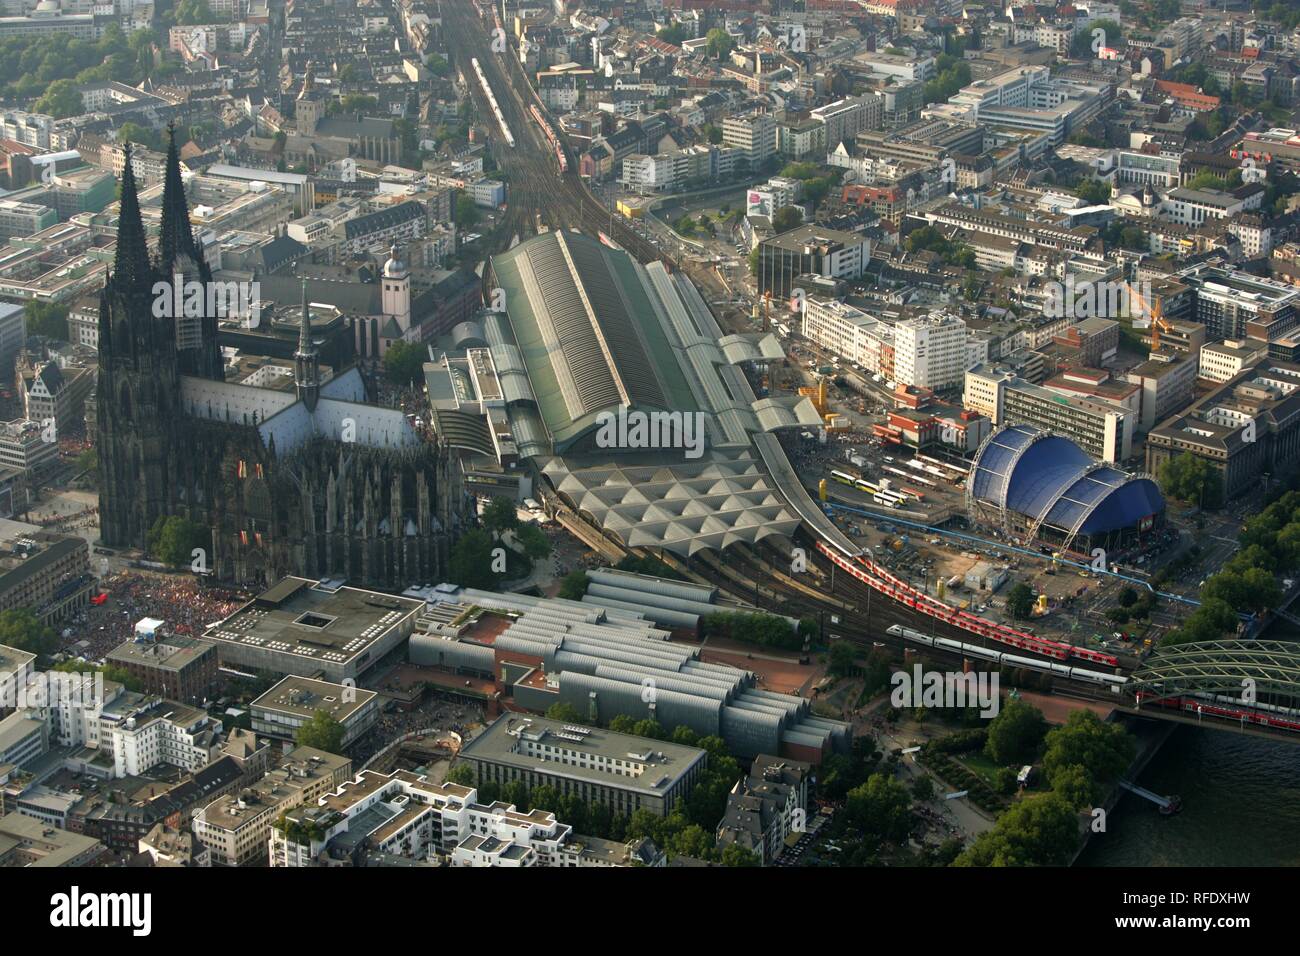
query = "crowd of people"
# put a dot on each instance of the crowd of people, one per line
(177, 601)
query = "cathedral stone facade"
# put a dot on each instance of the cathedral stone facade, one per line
(315, 482)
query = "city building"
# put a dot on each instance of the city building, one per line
(767, 807)
(305, 628)
(624, 772)
(138, 732)
(47, 573)
(1246, 428)
(1221, 361)
(405, 816)
(1103, 429)
(175, 666)
(296, 700)
(930, 352)
(237, 828)
(26, 841)
(29, 447)
(810, 250)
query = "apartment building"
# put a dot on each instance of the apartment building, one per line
(754, 134)
(1247, 427)
(20, 219)
(845, 119)
(406, 816)
(142, 731)
(930, 352)
(1235, 305)
(26, 841)
(237, 828)
(53, 394)
(1167, 380)
(27, 447)
(766, 807)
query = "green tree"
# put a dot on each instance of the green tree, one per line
(787, 218)
(623, 724)
(685, 736)
(1076, 787)
(733, 854)
(1015, 734)
(1191, 479)
(841, 661)
(563, 711)
(720, 43)
(463, 774)
(923, 788)
(1020, 601)
(20, 628)
(46, 318)
(1104, 750)
(322, 732)
(191, 12)
(649, 727)
(174, 538)
(466, 212)
(880, 807)
(574, 585)
(404, 363)
(61, 98)
(1038, 831)
(472, 561)
(500, 515)
(1094, 192)
(534, 541)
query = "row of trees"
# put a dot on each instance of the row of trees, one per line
(51, 68)
(1248, 583)
(767, 630)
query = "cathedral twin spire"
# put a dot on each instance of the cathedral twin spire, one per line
(131, 264)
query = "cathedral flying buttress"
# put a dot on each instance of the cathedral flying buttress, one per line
(314, 482)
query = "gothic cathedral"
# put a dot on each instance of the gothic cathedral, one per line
(314, 482)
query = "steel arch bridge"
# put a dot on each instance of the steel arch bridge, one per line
(1256, 682)
(1219, 667)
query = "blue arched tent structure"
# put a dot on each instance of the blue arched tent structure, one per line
(1046, 487)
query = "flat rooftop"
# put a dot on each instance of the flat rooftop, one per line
(296, 616)
(558, 748)
(12, 660)
(173, 652)
(303, 696)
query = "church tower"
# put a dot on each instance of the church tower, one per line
(306, 361)
(308, 107)
(181, 262)
(396, 290)
(138, 386)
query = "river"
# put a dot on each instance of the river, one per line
(1241, 806)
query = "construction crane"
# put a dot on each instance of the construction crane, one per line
(1155, 309)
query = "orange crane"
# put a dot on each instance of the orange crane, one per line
(1158, 323)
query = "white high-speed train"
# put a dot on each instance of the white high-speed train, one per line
(1012, 660)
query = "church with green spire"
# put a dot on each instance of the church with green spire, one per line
(313, 481)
